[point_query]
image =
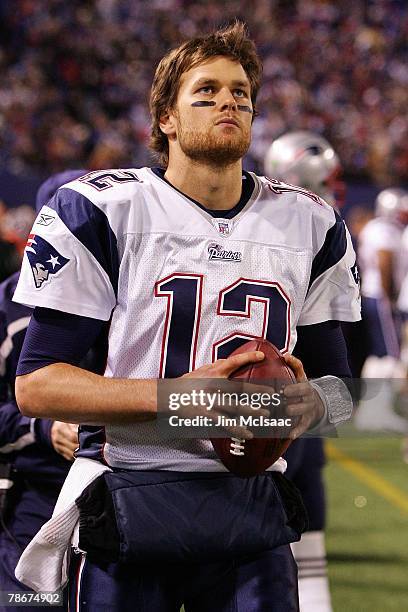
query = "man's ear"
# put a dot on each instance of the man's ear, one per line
(168, 123)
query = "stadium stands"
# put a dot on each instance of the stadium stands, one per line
(335, 68)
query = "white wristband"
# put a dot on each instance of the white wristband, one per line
(336, 398)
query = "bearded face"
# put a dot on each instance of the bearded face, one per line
(211, 123)
(215, 145)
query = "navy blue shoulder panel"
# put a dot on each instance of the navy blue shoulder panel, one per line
(91, 226)
(332, 250)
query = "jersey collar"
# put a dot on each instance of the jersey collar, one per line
(248, 186)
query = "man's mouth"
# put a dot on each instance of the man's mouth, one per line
(227, 121)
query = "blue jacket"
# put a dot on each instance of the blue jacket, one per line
(25, 442)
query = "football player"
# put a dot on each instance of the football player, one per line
(307, 159)
(35, 454)
(402, 303)
(402, 276)
(383, 267)
(181, 264)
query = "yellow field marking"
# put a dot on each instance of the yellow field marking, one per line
(369, 477)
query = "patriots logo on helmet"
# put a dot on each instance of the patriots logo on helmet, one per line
(45, 261)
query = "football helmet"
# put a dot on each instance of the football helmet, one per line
(392, 203)
(308, 160)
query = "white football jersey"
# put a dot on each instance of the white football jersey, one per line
(183, 288)
(378, 234)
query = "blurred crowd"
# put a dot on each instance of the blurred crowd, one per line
(15, 225)
(75, 78)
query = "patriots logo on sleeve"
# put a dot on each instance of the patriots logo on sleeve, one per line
(45, 261)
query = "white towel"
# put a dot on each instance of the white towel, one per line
(43, 566)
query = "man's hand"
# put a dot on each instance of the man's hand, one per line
(222, 369)
(302, 399)
(64, 438)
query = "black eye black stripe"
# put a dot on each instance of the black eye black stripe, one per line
(203, 103)
(242, 108)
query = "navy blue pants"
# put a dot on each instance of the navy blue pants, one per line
(306, 459)
(33, 508)
(266, 582)
(9, 556)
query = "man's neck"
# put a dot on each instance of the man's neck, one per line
(214, 188)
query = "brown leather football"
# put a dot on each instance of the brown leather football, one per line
(247, 458)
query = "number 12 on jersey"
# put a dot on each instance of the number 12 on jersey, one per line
(184, 295)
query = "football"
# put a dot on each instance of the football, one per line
(248, 458)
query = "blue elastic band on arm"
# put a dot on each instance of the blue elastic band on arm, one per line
(54, 337)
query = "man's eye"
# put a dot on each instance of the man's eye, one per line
(240, 93)
(206, 90)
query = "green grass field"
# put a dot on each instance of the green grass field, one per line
(367, 530)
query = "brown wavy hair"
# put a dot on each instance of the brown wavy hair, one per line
(232, 42)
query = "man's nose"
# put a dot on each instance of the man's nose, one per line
(227, 100)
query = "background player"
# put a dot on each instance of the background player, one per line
(145, 238)
(37, 453)
(381, 259)
(307, 159)
(402, 305)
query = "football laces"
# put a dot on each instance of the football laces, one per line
(237, 446)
